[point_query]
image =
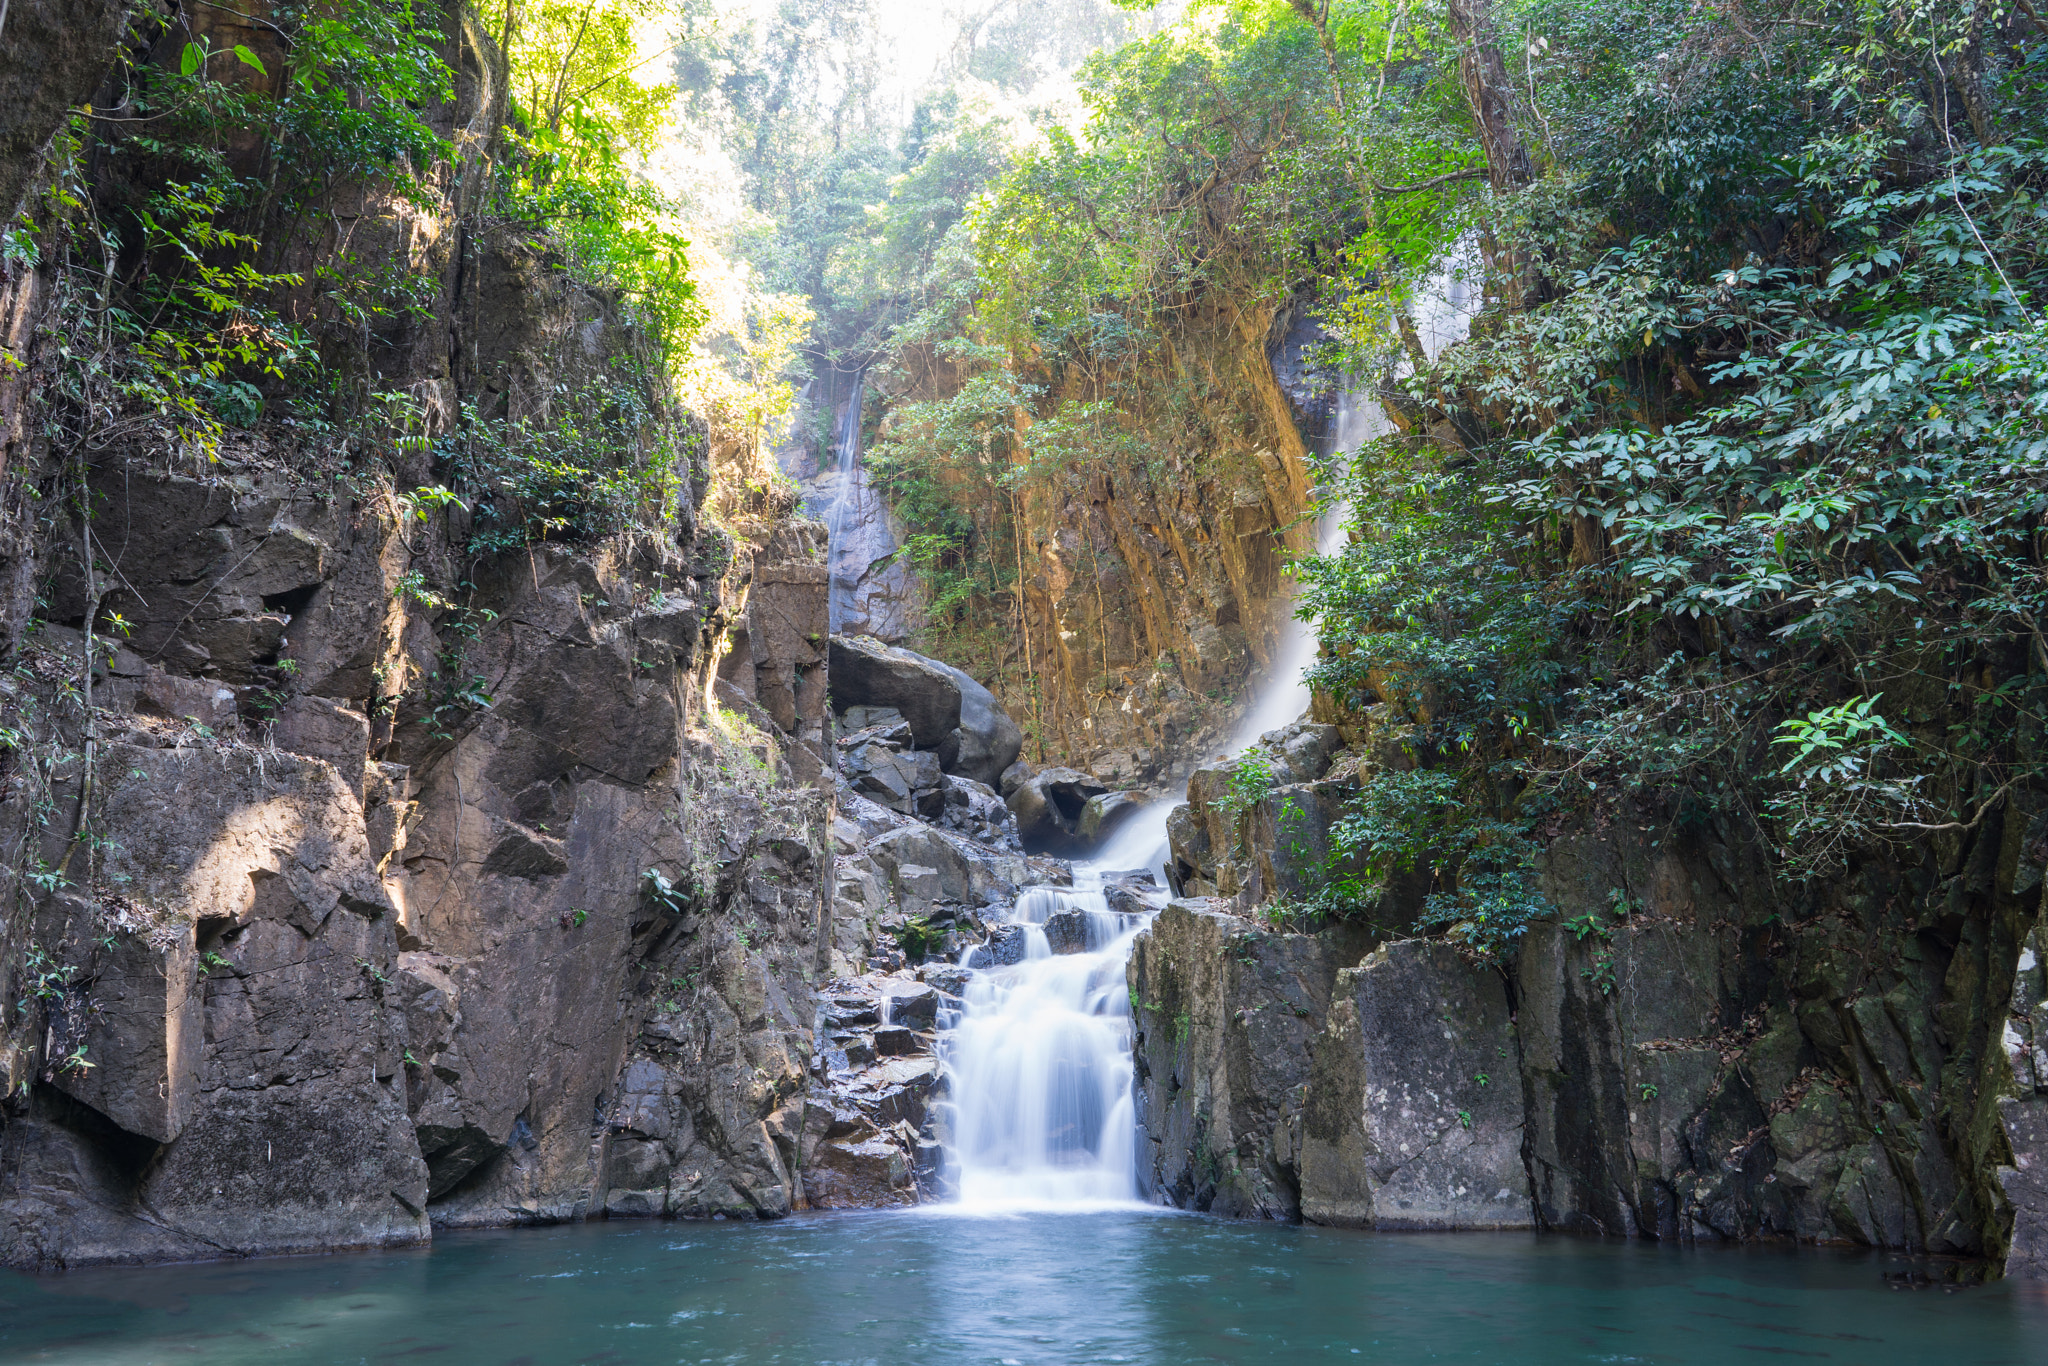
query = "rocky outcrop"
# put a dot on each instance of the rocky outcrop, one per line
(1677, 1054)
(867, 673)
(1152, 590)
(1225, 1013)
(1258, 827)
(1414, 1108)
(407, 963)
(2023, 1114)
(245, 1090)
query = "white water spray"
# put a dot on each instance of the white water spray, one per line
(1040, 1058)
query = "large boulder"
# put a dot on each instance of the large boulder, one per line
(987, 741)
(867, 673)
(1225, 1012)
(946, 710)
(1414, 1112)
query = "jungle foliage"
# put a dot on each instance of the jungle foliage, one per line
(205, 283)
(1729, 505)
(1732, 502)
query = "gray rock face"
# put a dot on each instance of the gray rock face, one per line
(1007, 946)
(1687, 1058)
(907, 781)
(975, 811)
(2024, 1115)
(909, 1003)
(1067, 932)
(946, 977)
(255, 1043)
(1225, 1014)
(968, 873)
(880, 723)
(853, 1162)
(1414, 1113)
(69, 46)
(380, 959)
(332, 1013)
(1132, 894)
(900, 1041)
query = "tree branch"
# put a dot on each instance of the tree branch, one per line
(1982, 811)
(1469, 173)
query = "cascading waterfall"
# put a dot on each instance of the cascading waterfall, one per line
(1039, 1054)
(1044, 1112)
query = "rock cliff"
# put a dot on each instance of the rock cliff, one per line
(364, 876)
(1153, 589)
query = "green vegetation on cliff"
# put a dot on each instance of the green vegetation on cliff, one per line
(208, 278)
(1730, 504)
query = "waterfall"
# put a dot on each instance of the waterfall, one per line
(1039, 1054)
(1044, 1114)
(1041, 1067)
(873, 590)
(845, 561)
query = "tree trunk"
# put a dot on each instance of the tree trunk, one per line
(1967, 75)
(1489, 91)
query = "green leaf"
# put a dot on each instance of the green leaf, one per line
(194, 56)
(249, 59)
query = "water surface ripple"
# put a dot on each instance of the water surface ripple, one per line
(928, 1288)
